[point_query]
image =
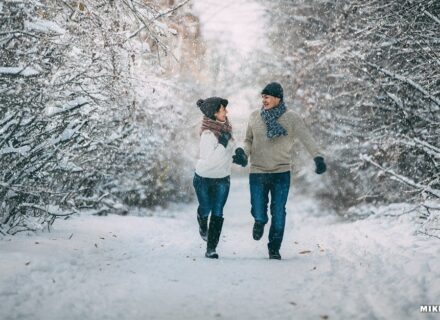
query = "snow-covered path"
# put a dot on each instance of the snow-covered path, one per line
(153, 268)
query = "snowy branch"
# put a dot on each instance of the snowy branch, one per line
(406, 80)
(432, 16)
(166, 12)
(51, 210)
(402, 179)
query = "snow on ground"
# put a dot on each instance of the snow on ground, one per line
(133, 267)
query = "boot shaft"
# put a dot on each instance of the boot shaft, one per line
(214, 231)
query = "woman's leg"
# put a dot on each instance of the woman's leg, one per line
(201, 186)
(220, 192)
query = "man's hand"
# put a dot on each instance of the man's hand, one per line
(240, 157)
(224, 138)
(320, 165)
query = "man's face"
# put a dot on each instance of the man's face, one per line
(269, 102)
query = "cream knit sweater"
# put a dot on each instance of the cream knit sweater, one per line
(274, 155)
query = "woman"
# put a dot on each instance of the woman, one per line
(213, 169)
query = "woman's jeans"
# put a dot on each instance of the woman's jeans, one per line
(277, 184)
(212, 195)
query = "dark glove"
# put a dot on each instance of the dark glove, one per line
(240, 157)
(224, 138)
(320, 165)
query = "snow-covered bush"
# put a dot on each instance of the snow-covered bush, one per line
(85, 121)
(367, 74)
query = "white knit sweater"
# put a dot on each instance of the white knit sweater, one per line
(214, 161)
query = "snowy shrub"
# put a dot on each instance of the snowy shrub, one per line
(367, 74)
(83, 120)
(430, 217)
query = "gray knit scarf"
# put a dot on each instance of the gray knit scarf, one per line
(270, 117)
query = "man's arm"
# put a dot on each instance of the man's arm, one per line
(248, 139)
(302, 132)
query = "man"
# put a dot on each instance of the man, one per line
(270, 137)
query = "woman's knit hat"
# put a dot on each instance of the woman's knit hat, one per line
(211, 105)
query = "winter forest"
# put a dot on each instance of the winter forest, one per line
(100, 133)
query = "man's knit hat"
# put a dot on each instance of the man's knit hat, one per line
(211, 105)
(273, 89)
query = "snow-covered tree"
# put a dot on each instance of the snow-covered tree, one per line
(83, 120)
(367, 74)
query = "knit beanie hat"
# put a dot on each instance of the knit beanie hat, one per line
(211, 105)
(273, 89)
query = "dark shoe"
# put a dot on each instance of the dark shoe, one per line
(210, 253)
(203, 227)
(258, 230)
(274, 254)
(215, 229)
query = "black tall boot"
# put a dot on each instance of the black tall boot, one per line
(203, 227)
(215, 229)
(258, 230)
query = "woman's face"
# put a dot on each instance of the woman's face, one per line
(220, 115)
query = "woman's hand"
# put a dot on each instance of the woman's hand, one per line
(240, 157)
(224, 138)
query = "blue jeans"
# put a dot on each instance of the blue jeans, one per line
(212, 195)
(277, 184)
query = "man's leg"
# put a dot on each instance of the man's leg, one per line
(259, 199)
(279, 192)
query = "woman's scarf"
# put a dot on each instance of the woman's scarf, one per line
(216, 127)
(270, 117)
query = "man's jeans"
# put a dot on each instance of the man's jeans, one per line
(277, 184)
(212, 195)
